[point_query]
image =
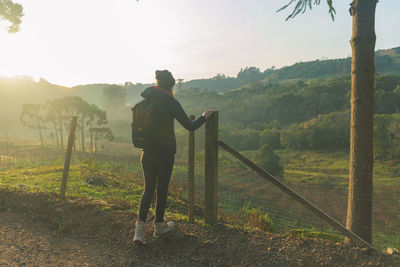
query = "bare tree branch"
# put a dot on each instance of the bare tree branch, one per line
(302, 6)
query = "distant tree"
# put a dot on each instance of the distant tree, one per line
(267, 159)
(52, 116)
(295, 137)
(85, 110)
(60, 110)
(72, 106)
(31, 117)
(359, 206)
(328, 131)
(101, 133)
(128, 84)
(381, 138)
(11, 12)
(270, 137)
(249, 141)
(97, 117)
(57, 113)
(387, 136)
(250, 74)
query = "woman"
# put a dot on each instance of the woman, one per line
(158, 162)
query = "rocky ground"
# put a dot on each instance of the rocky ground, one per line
(42, 230)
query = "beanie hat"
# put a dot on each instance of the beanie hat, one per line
(165, 79)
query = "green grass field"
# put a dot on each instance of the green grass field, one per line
(320, 176)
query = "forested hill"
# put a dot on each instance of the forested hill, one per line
(393, 52)
(288, 95)
(222, 83)
(386, 62)
(287, 103)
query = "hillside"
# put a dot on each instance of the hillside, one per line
(386, 62)
(393, 53)
(287, 95)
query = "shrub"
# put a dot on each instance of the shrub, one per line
(387, 136)
(267, 159)
(270, 137)
(258, 219)
(249, 141)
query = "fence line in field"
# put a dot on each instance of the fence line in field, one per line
(233, 197)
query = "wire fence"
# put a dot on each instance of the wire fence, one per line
(242, 189)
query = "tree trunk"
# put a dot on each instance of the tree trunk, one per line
(56, 132)
(72, 114)
(95, 142)
(91, 137)
(83, 133)
(61, 135)
(359, 205)
(40, 131)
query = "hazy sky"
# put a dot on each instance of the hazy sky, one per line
(72, 42)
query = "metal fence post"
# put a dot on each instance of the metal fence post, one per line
(211, 169)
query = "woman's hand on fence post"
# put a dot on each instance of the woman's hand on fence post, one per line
(207, 113)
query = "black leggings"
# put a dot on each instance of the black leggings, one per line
(157, 170)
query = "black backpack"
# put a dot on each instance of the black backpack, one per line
(146, 116)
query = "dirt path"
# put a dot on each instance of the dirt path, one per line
(24, 241)
(41, 230)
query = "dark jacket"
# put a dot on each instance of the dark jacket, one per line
(173, 110)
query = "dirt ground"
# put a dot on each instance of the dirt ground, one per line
(29, 242)
(42, 230)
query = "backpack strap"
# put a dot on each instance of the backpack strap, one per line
(163, 90)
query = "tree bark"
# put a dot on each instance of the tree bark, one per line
(359, 205)
(56, 132)
(83, 132)
(61, 135)
(95, 142)
(40, 131)
(91, 137)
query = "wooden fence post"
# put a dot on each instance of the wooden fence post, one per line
(191, 174)
(211, 169)
(68, 154)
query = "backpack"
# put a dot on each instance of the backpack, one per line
(145, 122)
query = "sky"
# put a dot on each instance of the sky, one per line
(71, 42)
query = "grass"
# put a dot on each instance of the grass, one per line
(122, 188)
(320, 176)
(312, 166)
(314, 234)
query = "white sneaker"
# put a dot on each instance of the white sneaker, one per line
(139, 233)
(162, 228)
